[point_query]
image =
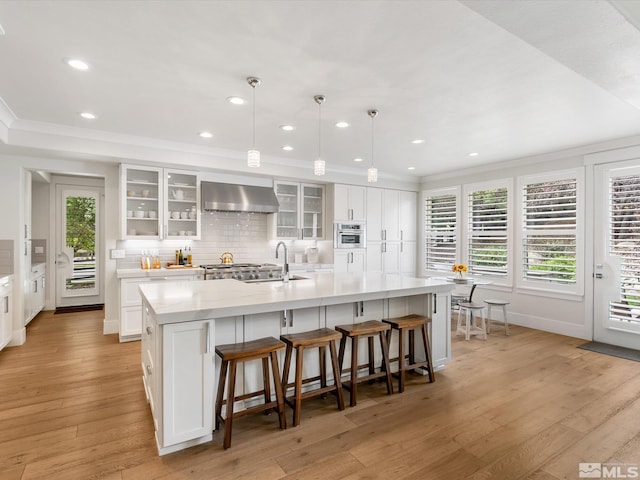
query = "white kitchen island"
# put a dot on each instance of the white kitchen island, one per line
(184, 320)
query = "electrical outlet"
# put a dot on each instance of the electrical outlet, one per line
(39, 250)
(115, 253)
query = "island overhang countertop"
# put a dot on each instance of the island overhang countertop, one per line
(181, 301)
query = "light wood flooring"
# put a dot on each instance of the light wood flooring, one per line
(527, 406)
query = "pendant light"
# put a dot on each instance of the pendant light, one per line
(253, 155)
(319, 164)
(372, 172)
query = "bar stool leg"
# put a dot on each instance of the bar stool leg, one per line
(400, 360)
(427, 351)
(336, 375)
(267, 383)
(468, 319)
(224, 365)
(231, 389)
(287, 368)
(506, 323)
(297, 395)
(354, 370)
(372, 367)
(279, 393)
(483, 324)
(385, 355)
(489, 319)
(322, 353)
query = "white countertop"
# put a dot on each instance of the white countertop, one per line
(182, 301)
(157, 272)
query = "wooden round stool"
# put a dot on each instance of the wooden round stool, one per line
(231, 354)
(410, 323)
(496, 302)
(320, 339)
(367, 330)
(469, 324)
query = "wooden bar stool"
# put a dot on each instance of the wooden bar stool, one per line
(411, 323)
(320, 339)
(231, 354)
(469, 325)
(367, 330)
(496, 302)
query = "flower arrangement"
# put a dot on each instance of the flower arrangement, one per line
(459, 268)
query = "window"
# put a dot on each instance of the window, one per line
(487, 231)
(440, 214)
(549, 238)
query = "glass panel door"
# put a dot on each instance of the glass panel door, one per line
(77, 259)
(617, 255)
(287, 221)
(312, 208)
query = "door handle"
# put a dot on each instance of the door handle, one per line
(284, 318)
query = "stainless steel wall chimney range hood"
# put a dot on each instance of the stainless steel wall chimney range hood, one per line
(226, 197)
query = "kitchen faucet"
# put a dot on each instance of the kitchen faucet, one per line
(285, 267)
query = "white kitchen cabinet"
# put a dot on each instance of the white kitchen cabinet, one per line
(178, 375)
(349, 203)
(302, 211)
(159, 203)
(391, 231)
(35, 300)
(131, 303)
(349, 260)
(440, 329)
(408, 216)
(6, 311)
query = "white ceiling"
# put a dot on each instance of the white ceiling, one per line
(507, 79)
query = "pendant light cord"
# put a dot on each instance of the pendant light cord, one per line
(372, 117)
(319, 131)
(254, 117)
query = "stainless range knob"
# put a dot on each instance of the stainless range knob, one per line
(239, 276)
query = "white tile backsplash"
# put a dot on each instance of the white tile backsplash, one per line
(243, 234)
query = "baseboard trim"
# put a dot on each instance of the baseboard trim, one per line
(110, 326)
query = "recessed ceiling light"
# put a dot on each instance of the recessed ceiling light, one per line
(411, 168)
(473, 154)
(206, 134)
(88, 115)
(287, 148)
(342, 124)
(77, 64)
(357, 159)
(417, 141)
(236, 100)
(287, 128)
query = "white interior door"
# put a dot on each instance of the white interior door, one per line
(78, 248)
(617, 255)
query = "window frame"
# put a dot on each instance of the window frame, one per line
(549, 288)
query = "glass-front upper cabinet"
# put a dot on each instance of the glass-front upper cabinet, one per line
(159, 203)
(312, 211)
(287, 225)
(182, 204)
(142, 202)
(301, 214)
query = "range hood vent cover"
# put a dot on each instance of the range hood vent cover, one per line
(227, 197)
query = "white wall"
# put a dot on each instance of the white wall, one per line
(567, 316)
(16, 169)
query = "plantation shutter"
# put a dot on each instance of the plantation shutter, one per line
(624, 242)
(549, 236)
(487, 232)
(440, 232)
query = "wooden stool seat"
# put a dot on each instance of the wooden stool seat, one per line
(231, 354)
(320, 338)
(411, 323)
(497, 302)
(369, 330)
(469, 325)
